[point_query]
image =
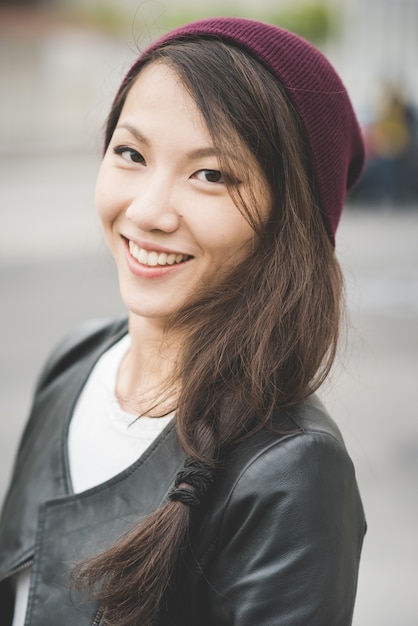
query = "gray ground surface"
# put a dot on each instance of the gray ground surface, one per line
(54, 272)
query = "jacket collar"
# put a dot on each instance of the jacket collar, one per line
(41, 484)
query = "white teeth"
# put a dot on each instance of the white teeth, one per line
(140, 255)
(153, 258)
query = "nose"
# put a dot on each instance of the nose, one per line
(153, 206)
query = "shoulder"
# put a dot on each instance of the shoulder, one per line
(302, 470)
(300, 434)
(282, 533)
(290, 491)
(86, 339)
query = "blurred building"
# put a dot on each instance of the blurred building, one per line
(379, 44)
(58, 78)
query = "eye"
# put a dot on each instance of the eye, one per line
(210, 176)
(129, 154)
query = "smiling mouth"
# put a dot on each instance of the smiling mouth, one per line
(152, 258)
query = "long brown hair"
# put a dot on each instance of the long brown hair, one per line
(265, 337)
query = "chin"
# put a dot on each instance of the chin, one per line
(150, 312)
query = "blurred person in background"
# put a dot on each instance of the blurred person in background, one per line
(391, 173)
(177, 467)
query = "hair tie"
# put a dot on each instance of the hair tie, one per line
(198, 475)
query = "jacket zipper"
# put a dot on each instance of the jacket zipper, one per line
(17, 570)
(98, 617)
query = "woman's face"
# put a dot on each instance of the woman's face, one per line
(167, 215)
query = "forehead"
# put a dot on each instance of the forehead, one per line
(158, 90)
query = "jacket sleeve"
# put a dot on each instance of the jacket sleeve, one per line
(290, 540)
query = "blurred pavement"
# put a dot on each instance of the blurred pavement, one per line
(55, 272)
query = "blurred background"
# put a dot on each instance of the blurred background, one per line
(60, 64)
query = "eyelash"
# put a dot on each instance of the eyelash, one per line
(211, 172)
(121, 150)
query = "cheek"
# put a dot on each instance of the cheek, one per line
(104, 200)
(227, 235)
(238, 237)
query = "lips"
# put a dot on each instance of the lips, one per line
(153, 258)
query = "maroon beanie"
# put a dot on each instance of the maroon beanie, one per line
(316, 91)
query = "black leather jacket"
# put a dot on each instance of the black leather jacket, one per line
(276, 543)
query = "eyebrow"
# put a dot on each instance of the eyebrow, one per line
(198, 153)
(134, 131)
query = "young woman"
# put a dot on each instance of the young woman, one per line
(177, 468)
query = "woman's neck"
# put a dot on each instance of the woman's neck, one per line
(145, 380)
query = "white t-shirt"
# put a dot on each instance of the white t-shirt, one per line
(103, 441)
